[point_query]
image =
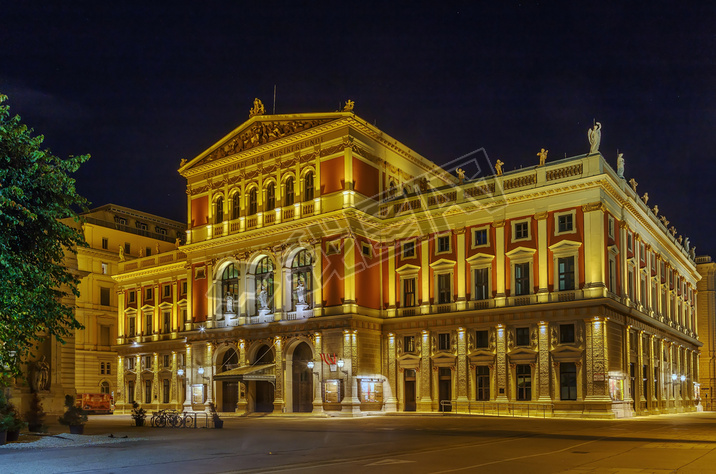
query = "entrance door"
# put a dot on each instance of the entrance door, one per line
(409, 376)
(264, 397)
(302, 379)
(229, 396)
(444, 387)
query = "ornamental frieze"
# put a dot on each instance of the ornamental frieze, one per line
(261, 133)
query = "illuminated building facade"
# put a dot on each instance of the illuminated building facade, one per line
(330, 267)
(707, 330)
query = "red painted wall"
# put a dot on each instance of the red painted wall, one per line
(333, 273)
(332, 175)
(199, 211)
(367, 274)
(366, 178)
(199, 299)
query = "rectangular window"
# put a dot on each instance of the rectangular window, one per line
(101, 368)
(409, 344)
(130, 363)
(522, 336)
(630, 242)
(522, 279)
(565, 268)
(104, 296)
(132, 327)
(366, 249)
(132, 297)
(149, 251)
(524, 382)
(481, 276)
(482, 339)
(444, 292)
(482, 379)
(167, 363)
(148, 322)
(167, 289)
(127, 247)
(166, 321)
(631, 284)
(148, 362)
(105, 243)
(409, 249)
(140, 225)
(479, 237)
(566, 333)
(444, 341)
(289, 192)
(148, 294)
(612, 275)
(568, 380)
(183, 288)
(564, 223)
(443, 243)
(521, 231)
(108, 368)
(271, 197)
(610, 227)
(104, 335)
(409, 292)
(147, 391)
(130, 391)
(165, 391)
(253, 202)
(184, 315)
(104, 268)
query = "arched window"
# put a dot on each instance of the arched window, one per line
(236, 206)
(104, 387)
(264, 285)
(288, 195)
(229, 289)
(308, 187)
(253, 202)
(219, 211)
(301, 280)
(391, 189)
(229, 361)
(270, 197)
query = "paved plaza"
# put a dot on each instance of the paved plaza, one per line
(380, 444)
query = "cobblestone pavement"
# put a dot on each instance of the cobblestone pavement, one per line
(378, 444)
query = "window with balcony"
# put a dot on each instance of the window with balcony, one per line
(219, 210)
(270, 197)
(253, 205)
(288, 196)
(308, 187)
(409, 297)
(481, 278)
(236, 205)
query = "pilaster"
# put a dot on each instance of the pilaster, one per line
(500, 297)
(543, 277)
(461, 367)
(424, 401)
(391, 404)
(501, 364)
(543, 365)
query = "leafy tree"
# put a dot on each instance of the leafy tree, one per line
(36, 191)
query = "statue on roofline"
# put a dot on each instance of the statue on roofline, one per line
(595, 137)
(498, 167)
(258, 108)
(542, 156)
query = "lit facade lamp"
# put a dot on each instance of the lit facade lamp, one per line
(180, 372)
(310, 364)
(673, 377)
(201, 370)
(683, 378)
(340, 365)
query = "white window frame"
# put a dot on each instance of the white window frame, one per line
(565, 249)
(402, 248)
(485, 228)
(514, 230)
(447, 236)
(557, 215)
(518, 256)
(407, 272)
(478, 262)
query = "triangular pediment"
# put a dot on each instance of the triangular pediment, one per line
(261, 130)
(407, 269)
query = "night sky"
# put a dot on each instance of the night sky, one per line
(140, 86)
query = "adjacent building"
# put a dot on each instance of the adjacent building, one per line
(86, 362)
(707, 330)
(328, 266)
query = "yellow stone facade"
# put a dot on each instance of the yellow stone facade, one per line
(330, 267)
(706, 321)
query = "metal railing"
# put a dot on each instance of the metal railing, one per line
(513, 409)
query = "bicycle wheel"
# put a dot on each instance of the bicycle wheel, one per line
(161, 421)
(188, 421)
(174, 420)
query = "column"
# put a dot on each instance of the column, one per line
(501, 363)
(350, 402)
(174, 390)
(243, 292)
(189, 374)
(424, 401)
(349, 279)
(317, 273)
(283, 279)
(543, 279)
(424, 275)
(155, 378)
(596, 344)
(189, 298)
(461, 280)
(209, 374)
(626, 360)
(594, 250)
(639, 373)
(242, 403)
(317, 367)
(391, 404)
(121, 319)
(461, 381)
(348, 195)
(211, 297)
(543, 365)
(500, 297)
(391, 280)
(278, 403)
(139, 383)
(121, 396)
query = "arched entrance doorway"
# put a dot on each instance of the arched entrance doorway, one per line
(229, 389)
(263, 391)
(302, 379)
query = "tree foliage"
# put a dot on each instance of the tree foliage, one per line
(36, 191)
